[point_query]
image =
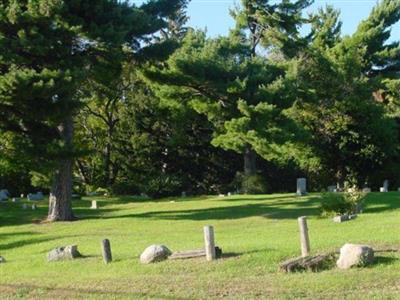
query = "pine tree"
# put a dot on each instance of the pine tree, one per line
(48, 49)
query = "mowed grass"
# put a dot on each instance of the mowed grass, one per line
(256, 233)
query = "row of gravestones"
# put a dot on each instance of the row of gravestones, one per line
(302, 187)
(5, 195)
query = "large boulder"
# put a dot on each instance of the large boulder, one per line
(355, 256)
(154, 253)
(64, 253)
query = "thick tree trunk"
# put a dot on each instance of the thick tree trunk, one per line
(250, 164)
(60, 207)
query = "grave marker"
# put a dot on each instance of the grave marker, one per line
(209, 243)
(304, 239)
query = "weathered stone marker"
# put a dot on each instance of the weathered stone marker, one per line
(106, 251)
(2, 260)
(352, 255)
(94, 204)
(386, 185)
(301, 187)
(34, 206)
(304, 239)
(209, 243)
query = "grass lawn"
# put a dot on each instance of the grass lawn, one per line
(255, 232)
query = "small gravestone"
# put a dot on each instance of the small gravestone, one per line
(398, 189)
(382, 190)
(34, 206)
(229, 194)
(64, 253)
(183, 195)
(344, 218)
(221, 195)
(154, 253)
(366, 190)
(352, 255)
(386, 185)
(301, 187)
(14, 200)
(24, 206)
(94, 204)
(332, 188)
(4, 195)
(22, 196)
(35, 197)
(2, 260)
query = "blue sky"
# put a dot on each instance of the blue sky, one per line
(214, 14)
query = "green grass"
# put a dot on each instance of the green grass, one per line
(256, 233)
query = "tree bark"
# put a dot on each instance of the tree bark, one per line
(60, 206)
(250, 164)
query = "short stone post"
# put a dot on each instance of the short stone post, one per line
(106, 251)
(209, 243)
(304, 239)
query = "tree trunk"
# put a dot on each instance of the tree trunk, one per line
(250, 165)
(60, 206)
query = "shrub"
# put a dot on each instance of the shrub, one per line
(341, 203)
(254, 184)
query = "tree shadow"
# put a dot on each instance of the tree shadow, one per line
(24, 242)
(384, 260)
(272, 210)
(380, 202)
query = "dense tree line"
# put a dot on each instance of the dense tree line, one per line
(107, 94)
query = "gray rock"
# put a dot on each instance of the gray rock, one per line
(154, 253)
(352, 255)
(64, 253)
(2, 260)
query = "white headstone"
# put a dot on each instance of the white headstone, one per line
(183, 194)
(383, 190)
(366, 190)
(33, 206)
(332, 188)
(94, 204)
(386, 185)
(301, 187)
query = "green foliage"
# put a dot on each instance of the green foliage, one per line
(252, 184)
(341, 203)
(40, 181)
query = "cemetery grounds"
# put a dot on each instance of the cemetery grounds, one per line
(256, 233)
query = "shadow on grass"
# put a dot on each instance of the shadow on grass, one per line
(273, 210)
(384, 260)
(380, 202)
(25, 242)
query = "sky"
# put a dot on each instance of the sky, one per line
(213, 15)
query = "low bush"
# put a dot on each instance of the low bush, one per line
(341, 203)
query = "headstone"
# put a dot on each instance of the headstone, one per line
(209, 243)
(382, 190)
(221, 195)
(229, 194)
(94, 204)
(4, 195)
(332, 188)
(34, 207)
(76, 197)
(344, 218)
(355, 256)
(301, 187)
(154, 253)
(183, 195)
(2, 260)
(35, 197)
(64, 253)
(22, 196)
(24, 206)
(398, 189)
(366, 190)
(304, 238)
(386, 185)
(15, 200)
